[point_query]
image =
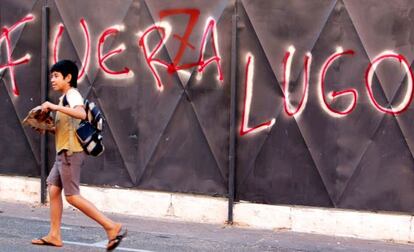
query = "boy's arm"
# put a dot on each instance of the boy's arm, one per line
(77, 112)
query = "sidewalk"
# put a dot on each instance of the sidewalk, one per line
(21, 222)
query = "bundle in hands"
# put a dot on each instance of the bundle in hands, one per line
(39, 120)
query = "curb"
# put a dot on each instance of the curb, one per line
(397, 227)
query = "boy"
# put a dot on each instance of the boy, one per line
(65, 173)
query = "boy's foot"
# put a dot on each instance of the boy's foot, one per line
(113, 231)
(115, 236)
(46, 241)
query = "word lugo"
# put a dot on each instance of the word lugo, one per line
(324, 99)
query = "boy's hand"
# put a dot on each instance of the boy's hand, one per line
(46, 106)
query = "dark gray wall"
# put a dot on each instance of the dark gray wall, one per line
(178, 139)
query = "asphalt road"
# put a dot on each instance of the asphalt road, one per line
(19, 223)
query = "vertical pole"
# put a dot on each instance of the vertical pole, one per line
(233, 115)
(43, 93)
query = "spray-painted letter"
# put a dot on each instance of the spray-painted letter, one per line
(86, 54)
(102, 58)
(165, 30)
(184, 40)
(287, 63)
(334, 94)
(248, 92)
(210, 28)
(5, 35)
(409, 93)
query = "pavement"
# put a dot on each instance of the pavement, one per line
(20, 222)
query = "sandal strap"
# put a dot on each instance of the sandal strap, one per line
(115, 239)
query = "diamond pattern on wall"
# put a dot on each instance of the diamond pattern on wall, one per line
(210, 98)
(388, 170)
(264, 105)
(280, 24)
(175, 158)
(22, 43)
(178, 139)
(137, 113)
(97, 17)
(337, 151)
(14, 135)
(185, 17)
(20, 10)
(388, 28)
(340, 147)
(273, 178)
(395, 34)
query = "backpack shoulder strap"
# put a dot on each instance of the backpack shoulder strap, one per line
(87, 109)
(65, 101)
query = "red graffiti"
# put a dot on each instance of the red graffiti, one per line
(5, 35)
(335, 94)
(184, 40)
(86, 54)
(164, 29)
(248, 90)
(287, 63)
(211, 26)
(410, 91)
(103, 58)
(149, 55)
(61, 28)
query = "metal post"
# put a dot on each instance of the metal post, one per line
(233, 115)
(43, 93)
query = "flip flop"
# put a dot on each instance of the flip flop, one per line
(43, 242)
(117, 240)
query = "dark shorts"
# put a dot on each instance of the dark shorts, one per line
(65, 172)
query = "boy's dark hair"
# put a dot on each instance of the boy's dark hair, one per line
(66, 67)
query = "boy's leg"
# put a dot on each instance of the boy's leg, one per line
(56, 208)
(56, 205)
(112, 228)
(71, 166)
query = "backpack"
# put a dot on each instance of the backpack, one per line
(89, 131)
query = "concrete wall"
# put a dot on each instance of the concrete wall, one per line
(184, 207)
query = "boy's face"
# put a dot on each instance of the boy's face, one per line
(60, 83)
